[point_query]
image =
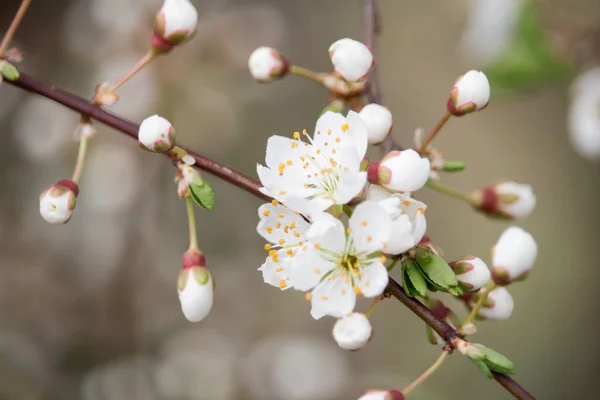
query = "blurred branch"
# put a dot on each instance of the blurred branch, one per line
(372, 27)
(130, 129)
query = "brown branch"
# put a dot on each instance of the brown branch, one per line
(372, 28)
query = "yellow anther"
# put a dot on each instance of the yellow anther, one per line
(348, 230)
(364, 223)
(289, 162)
(324, 298)
(269, 229)
(357, 290)
(279, 215)
(318, 151)
(317, 271)
(278, 225)
(308, 296)
(286, 228)
(296, 234)
(317, 246)
(268, 246)
(382, 259)
(266, 213)
(294, 145)
(304, 132)
(318, 132)
(281, 242)
(290, 252)
(274, 202)
(421, 211)
(334, 151)
(282, 284)
(329, 131)
(369, 239)
(406, 203)
(345, 127)
(337, 139)
(272, 253)
(281, 166)
(293, 225)
(282, 192)
(279, 269)
(296, 135)
(355, 265)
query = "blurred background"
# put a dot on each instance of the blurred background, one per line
(89, 310)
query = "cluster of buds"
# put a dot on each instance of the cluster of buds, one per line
(195, 286)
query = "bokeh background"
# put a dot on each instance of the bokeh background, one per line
(89, 310)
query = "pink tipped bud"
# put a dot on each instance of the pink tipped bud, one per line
(267, 65)
(58, 202)
(195, 287)
(513, 256)
(382, 395)
(400, 171)
(353, 331)
(472, 273)
(470, 93)
(175, 24)
(156, 134)
(351, 59)
(506, 200)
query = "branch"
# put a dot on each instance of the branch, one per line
(372, 27)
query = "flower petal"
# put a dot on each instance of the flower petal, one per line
(357, 133)
(308, 268)
(276, 273)
(402, 238)
(377, 193)
(280, 225)
(334, 296)
(374, 280)
(371, 227)
(349, 185)
(328, 234)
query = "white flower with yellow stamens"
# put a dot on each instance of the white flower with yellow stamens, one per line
(338, 264)
(285, 231)
(311, 177)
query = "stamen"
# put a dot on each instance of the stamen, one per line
(345, 127)
(282, 284)
(308, 296)
(279, 269)
(269, 229)
(296, 135)
(274, 202)
(268, 246)
(369, 239)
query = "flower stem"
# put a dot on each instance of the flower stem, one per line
(306, 73)
(426, 374)
(483, 296)
(374, 303)
(450, 191)
(83, 146)
(347, 210)
(434, 132)
(192, 223)
(150, 55)
(14, 25)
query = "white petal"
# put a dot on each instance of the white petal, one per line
(334, 296)
(526, 198)
(374, 280)
(503, 305)
(371, 227)
(357, 133)
(280, 223)
(196, 298)
(515, 252)
(378, 121)
(408, 170)
(377, 193)
(401, 238)
(350, 184)
(473, 87)
(308, 269)
(277, 273)
(329, 234)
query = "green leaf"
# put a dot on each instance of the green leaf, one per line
(418, 282)
(454, 166)
(455, 291)
(9, 71)
(407, 285)
(203, 195)
(481, 366)
(496, 361)
(435, 269)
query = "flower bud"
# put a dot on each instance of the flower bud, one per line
(156, 134)
(400, 171)
(58, 202)
(506, 200)
(471, 92)
(105, 95)
(267, 64)
(499, 304)
(353, 331)
(378, 120)
(469, 349)
(175, 24)
(195, 287)
(382, 395)
(472, 273)
(351, 59)
(513, 256)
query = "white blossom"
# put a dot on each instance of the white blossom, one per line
(472, 273)
(471, 92)
(583, 118)
(58, 202)
(382, 395)
(499, 304)
(378, 120)
(352, 331)
(267, 64)
(351, 59)
(156, 134)
(513, 255)
(311, 177)
(512, 199)
(196, 292)
(400, 171)
(175, 24)
(340, 264)
(407, 216)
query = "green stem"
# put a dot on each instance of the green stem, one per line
(434, 132)
(426, 374)
(375, 301)
(392, 265)
(192, 223)
(347, 210)
(482, 297)
(83, 146)
(150, 55)
(450, 191)
(14, 25)
(306, 73)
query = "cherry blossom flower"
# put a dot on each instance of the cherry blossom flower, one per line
(340, 263)
(309, 177)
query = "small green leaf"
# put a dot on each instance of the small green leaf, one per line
(407, 285)
(436, 269)
(203, 195)
(496, 361)
(417, 280)
(431, 338)
(455, 291)
(9, 71)
(481, 366)
(454, 166)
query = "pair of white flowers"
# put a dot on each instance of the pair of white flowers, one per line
(312, 251)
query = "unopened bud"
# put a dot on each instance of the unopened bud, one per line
(471, 92)
(378, 120)
(352, 331)
(468, 329)
(382, 395)
(513, 256)
(351, 59)
(195, 287)
(175, 24)
(506, 200)
(156, 134)
(267, 65)
(499, 304)
(400, 171)
(58, 202)
(472, 273)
